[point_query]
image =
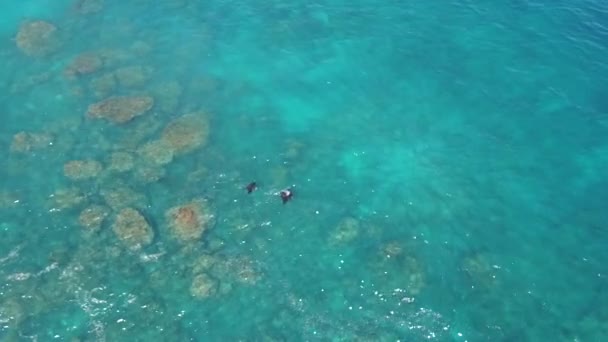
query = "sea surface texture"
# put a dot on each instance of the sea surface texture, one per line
(448, 162)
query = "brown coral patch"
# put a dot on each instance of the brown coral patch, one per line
(120, 109)
(189, 221)
(37, 38)
(132, 228)
(82, 169)
(187, 132)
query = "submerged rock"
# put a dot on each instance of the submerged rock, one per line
(120, 109)
(132, 228)
(37, 38)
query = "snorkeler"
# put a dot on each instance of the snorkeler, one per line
(286, 195)
(251, 187)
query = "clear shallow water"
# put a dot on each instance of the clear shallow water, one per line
(448, 160)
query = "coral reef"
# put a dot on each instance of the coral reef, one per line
(103, 85)
(245, 271)
(415, 275)
(141, 130)
(132, 228)
(82, 169)
(120, 196)
(88, 6)
(167, 96)
(187, 132)
(157, 152)
(140, 48)
(479, 270)
(22, 84)
(203, 286)
(189, 221)
(66, 199)
(92, 217)
(26, 142)
(293, 150)
(133, 76)
(8, 199)
(204, 263)
(347, 230)
(148, 174)
(113, 57)
(120, 109)
(238, 269)
(121, 162)
(37, 38)
(85, 63)
(391, 250)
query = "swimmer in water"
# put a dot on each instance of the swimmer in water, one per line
(286, 195)
(251, 187)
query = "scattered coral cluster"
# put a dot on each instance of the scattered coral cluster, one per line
(138, 129)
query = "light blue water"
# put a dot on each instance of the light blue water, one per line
(448, 161)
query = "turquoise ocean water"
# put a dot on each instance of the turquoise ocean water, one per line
(448, 160)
